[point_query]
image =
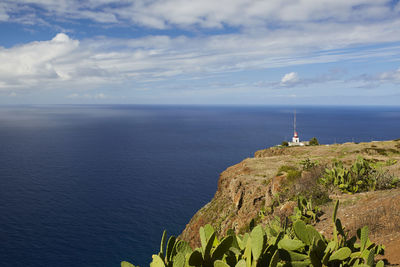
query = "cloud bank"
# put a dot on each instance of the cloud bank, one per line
(163, 14)
(65, 62)
(225, 37)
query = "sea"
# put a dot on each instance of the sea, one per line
(93, 185)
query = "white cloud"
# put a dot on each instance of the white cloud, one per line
(206, 13)
(390, 76)
(35, 62)
(249, 13)
(371, 81)
(100, 96)
(88, 96)
(3, 13)
(262, 35)
(290, 79)
(67, 63)
(73, 95)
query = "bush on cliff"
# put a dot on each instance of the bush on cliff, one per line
(302, 182)
(313, 142)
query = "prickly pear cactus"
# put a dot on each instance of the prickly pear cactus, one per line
(295, 244)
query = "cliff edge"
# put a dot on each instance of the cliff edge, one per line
(263, 187)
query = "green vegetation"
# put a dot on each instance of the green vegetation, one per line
(285, 143)
(291, 244)
(306, 212)
(360, 177)
(314, 142)
(314, 182)
(303, 183)
(390, 162)
(292, 173)
(308, 164)
(286, 168)
(381, 151)
(378, 164)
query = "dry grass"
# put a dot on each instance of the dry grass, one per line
(382, 220)
(308, 186)
(379, 210)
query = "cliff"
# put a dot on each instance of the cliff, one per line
(262, 187)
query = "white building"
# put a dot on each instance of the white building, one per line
(296, 139)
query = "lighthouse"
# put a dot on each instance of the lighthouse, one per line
(296, 139)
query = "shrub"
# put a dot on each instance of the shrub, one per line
(390, 162)
(314, 142)
(284, 169)
(284, 143)
(307, 164)
(293, 175)
(309, 187)
(386, 180)
(303, 183)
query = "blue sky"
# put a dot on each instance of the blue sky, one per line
(252, 52)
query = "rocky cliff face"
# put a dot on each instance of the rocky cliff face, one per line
(254, 184)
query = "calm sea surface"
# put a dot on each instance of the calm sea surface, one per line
(94, 185)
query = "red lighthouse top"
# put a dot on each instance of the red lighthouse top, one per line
(296, 135)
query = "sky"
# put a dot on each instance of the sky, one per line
(230, 52)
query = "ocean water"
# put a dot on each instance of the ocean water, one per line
(95, 185)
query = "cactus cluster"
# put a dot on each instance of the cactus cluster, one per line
(359, 177)
(295, 244)
(308, 164)
(306, 212)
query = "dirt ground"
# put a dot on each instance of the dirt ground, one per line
(379, 210)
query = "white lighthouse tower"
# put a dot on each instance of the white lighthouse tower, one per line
(295, 139)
